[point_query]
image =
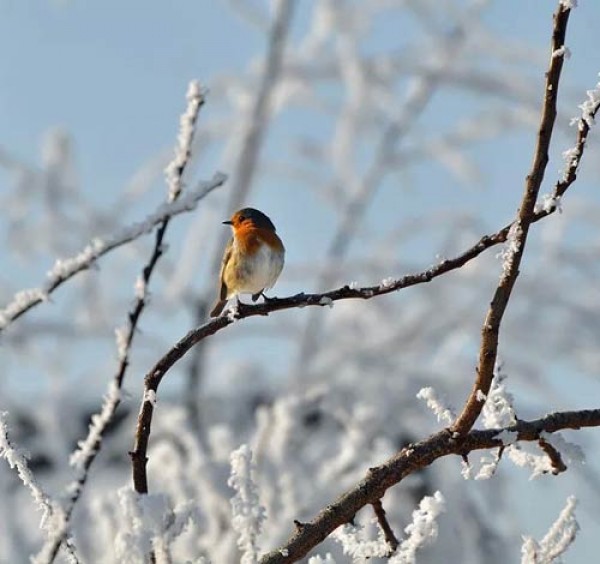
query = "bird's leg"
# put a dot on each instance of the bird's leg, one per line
(265, 297)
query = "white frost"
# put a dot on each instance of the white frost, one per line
(564, 50)
(53, 518)
(387, 283)
(248, 515)
(187, 125)
(550, 202)
(423, 529)
(87, 448)
(357, 547)
(568, 4)
(66, 268)
(557, 540)
(589, 107)
(437, 405)
(511, 247)
(498, 410)
(150, 396)
(320, 560)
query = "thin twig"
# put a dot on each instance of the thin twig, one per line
(64, 270)
(555, 457)
(410, 459)
(491, 326)
(388, 533)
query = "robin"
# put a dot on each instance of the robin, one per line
(252, 260)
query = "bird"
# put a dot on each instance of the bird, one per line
(253, 258)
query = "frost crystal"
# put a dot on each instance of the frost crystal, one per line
(326, 301)
(423, 529)
(150, 397)
(443, 413)
(247, 513)
(187, 124)
(557, 540)
(466, 470)
(539, 463)
(498, 410)
(589, 107)
(21, 301)
(349, 536)
(140, 288)
(511, 247)
(568, 4)
(551, 202)
(88, 447)
(564, 50)
(52, 515)
(387, 283)
(121, 337)
(232, 312)
(320, 560)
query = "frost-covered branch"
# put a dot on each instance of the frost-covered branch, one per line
(64, 269)
(423, 529)
(248, 514)
(18, 461)
(382, 519)
(410, 459)
(53, 520)
(557, 540)
(87, 450)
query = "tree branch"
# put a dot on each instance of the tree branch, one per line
(65, 269)
(89, 448)
(388, 533)
(491, 327)
(410, 459)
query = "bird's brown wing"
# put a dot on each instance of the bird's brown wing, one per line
(222, 300)
(226, 257)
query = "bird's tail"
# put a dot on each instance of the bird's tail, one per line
(218, 308)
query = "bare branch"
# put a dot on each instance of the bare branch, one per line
(390, 537)
(491, 326)
(558, 465)
(410, 459)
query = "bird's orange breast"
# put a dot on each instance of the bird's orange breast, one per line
(249, 239)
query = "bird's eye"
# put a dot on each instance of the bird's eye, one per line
(242, 218)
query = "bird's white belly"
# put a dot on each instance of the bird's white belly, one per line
(260, 271)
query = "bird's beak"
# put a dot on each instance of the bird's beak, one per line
(228, 222)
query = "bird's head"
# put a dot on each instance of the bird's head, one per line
(250, 218)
